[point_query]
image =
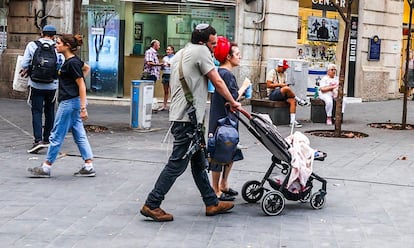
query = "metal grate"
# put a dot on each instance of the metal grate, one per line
(178, 6)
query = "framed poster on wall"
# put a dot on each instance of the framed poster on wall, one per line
(138, 31)
(323, 29)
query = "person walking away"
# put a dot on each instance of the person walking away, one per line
(196, 63)
(279, 90)
(166, 74)
(71, 110)
(228, 54)
(328, 92)
(41, 62)
(152, 65)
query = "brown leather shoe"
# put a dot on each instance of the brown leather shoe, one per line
(156, 214)
(220, 208)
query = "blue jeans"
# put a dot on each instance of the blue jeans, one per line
(176, 166)
(42, 100)
(68, 117)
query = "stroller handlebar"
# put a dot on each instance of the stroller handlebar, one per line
(245, 113)
(241, 110)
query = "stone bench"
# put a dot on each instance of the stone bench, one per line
(318, 113)
(277, 110)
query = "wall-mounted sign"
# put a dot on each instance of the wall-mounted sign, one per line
(352, 56)
(374, 49)
(326, 4)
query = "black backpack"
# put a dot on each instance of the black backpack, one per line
(44, 63)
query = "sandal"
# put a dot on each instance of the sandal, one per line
(226, 197)
(320, 155)
(230, 192)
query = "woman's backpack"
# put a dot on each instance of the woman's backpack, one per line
(223, 145)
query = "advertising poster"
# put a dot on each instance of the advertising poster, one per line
(103, 51)
(323, 29)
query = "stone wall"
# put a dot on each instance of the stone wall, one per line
(277, 37)
(22, 29)
(374, 83)
(379, 80)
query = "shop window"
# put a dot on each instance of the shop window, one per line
(172, 25)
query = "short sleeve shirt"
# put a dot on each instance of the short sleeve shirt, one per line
(275, 77)
(197, 61)
(217, 107)
(151, 55)
(167, 60)
(68, 73)
(328, 81)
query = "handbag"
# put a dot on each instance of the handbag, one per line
(146, 76)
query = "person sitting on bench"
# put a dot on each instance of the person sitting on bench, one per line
(278, 90)
(328, 92)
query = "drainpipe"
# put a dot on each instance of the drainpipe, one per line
(261, 22)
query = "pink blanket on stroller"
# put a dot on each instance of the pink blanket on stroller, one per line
(302, 159)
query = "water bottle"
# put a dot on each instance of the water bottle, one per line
(210, 87)
(316, 94)
(248, 93)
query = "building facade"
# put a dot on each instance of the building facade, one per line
(119, 32)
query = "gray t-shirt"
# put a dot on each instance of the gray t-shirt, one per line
(196, 63)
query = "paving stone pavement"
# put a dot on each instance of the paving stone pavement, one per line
(369, 202)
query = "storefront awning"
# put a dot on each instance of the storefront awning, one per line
(180, 2)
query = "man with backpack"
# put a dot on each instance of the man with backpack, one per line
(41, 63)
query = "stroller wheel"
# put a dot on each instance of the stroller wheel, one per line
(252, 192)
(317, 200)
(273, 203)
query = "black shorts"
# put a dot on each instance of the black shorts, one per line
(276, 95)
(166, 78)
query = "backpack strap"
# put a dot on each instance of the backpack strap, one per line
(38, 43)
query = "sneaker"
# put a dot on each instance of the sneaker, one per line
(83, 172)
(302, 102)
(329, 121)
(297, 124)
(240, 146)
(156, 214)
(37, 147)
(38, 172)
(220, 208)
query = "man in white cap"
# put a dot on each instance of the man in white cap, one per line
(279, 90)
(42, 91)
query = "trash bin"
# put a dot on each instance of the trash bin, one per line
(142, 92)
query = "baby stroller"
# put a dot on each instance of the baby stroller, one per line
(273, 201)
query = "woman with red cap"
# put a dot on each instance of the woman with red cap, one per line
(228, 54)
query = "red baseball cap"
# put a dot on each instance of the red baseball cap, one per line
(283, 63)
